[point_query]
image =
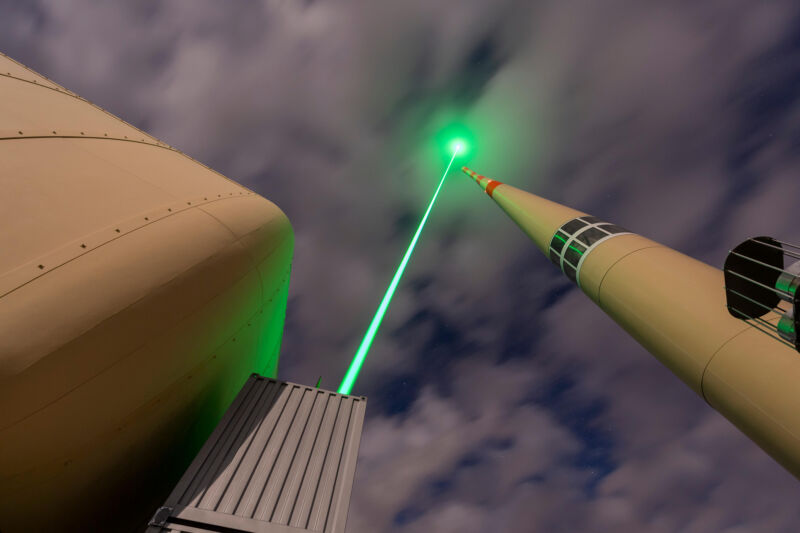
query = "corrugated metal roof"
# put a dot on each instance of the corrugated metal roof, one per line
(283, 455)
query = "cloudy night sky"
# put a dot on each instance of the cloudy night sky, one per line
(500, 397)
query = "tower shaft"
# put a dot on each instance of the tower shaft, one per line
(675, 307)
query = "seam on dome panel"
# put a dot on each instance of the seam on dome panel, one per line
(156, 143)
(142, 177)
(212, 353)
(33, 72)
(253, 260)
(249, 255)
(57, 88)
(65, 91)
(34, 269)
(104, 137)
(27, 68)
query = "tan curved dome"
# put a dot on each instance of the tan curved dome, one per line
(138, 291)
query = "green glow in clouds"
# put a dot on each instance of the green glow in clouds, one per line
(361, 354)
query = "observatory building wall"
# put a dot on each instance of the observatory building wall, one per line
(138, 291)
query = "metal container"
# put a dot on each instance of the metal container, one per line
(282, 458)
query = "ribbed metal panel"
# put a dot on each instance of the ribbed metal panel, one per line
(283, 455)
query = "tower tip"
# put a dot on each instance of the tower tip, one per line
(487, 184)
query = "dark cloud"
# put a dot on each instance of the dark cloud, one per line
(501, 398)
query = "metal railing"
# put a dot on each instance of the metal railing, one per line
(762, 291)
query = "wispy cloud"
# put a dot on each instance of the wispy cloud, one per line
(501, 398)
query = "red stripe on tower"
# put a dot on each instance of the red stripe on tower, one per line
(491, 186)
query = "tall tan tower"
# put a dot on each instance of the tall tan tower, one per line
(677, 308)
(138, 291)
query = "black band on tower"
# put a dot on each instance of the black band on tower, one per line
(574, 240)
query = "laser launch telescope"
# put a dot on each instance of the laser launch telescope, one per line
(729, 334)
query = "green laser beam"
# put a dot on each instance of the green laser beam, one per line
(361, 354)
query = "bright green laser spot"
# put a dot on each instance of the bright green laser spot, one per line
(454, 136)
(458, 145)
(361, 354)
